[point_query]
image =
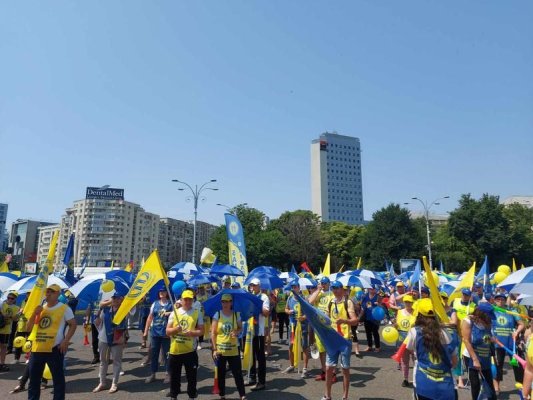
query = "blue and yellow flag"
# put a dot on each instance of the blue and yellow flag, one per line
(237, 248)
(150, 274)
(36, 295)
(333, 342)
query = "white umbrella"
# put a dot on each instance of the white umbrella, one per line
(305, 283)
(525, 300)
(26, 284)
(515, 278)
(335, 277)
(350, 280)
(6, 281)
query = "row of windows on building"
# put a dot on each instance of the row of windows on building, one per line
(339, 171)
(344, 191)
(332, 179)
(348, 207)
(342, 146)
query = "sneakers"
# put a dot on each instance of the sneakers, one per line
(4, 368)
(289, 369)
(18, 389)
(304, 373)
(406, 384)
(259, 386)
(325, 398)
(95, 361)
(99, 388)
(150, 379)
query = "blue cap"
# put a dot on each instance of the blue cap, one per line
(501, 295)
(424, 290)
(325, 280)
(486, 307)
(477, 285)
(235, 285)
(336, 285)
(295, 282)
(466, 292)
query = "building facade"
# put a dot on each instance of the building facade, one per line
(175, 241)
(526, 201)
(45, 238)
(3, 230)
(336, 178)
(108, 231)
(24, 240)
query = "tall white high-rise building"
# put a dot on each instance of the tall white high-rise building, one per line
(336, 184)
(3, 231)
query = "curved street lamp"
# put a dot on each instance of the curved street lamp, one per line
(196, 193)
(228, 208)
(427, 207)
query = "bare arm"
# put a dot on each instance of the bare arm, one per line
(466, 331)
(148, 323)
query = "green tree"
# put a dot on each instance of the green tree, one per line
(219, 244)
(480, 228)
(520, 220)
(390, 236)
(342, 241)
(301, 229)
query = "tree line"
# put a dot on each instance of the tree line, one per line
(477, 227)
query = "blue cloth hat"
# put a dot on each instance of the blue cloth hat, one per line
(486, 307)
(336, 285)
(325, 280)
(466, 292)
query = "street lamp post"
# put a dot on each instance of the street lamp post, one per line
(228, 208)
(196, 193)
(426, 216)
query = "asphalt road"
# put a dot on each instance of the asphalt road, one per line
(375, 376)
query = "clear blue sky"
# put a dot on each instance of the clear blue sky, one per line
(135, 93)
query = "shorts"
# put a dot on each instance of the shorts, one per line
(4, 338)
(274, 315)
(305, 336)
(332, 360)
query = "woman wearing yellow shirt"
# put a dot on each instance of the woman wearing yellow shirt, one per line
(225, 330)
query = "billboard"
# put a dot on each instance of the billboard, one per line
(407, 265)
(104, 193)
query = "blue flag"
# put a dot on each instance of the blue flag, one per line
(69, 252)
(332, 341)
(416, 274)
(83, 265)
(236, 246)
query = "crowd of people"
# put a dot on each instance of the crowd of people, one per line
(468, 350)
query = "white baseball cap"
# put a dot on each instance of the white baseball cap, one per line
(255, 281)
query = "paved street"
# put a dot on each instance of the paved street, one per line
(373, 377)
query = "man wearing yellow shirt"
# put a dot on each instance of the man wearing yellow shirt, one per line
(9, 310)
(50, 342)
(184, 331)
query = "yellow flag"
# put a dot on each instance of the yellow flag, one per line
(342, 267)
(207, 256)
(514, 265)
(112, 264)
(466, 283)
(37, 292)
(359, 263)
(297, 346)
(150, 274)
(434, 293)
(327, 269)
(4, 267)
(248, 343)
(522, 267)
(129, 267)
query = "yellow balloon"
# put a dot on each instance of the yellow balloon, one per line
(26, 348)
(47, 374)
(390, 335)
(107, 286)
(19, 341)
(499, 277)
(504, 269)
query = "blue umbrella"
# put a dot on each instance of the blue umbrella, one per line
(187, 268)
(245, 303)
(229, 270)
(87, 290)
(201, 279)
(268, 281)
(264, 270)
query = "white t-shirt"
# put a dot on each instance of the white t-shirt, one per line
(261, 320)
(67, 316)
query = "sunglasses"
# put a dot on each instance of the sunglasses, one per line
(227, 301)
(11, 298)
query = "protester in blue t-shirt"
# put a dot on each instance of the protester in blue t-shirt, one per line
(368, 303)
